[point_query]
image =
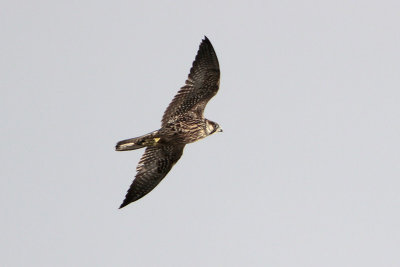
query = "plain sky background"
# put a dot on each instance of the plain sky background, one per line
(306, 172)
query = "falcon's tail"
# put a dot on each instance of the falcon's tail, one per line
(149, 139)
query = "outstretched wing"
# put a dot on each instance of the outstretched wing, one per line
(201, 85)
(154, 165)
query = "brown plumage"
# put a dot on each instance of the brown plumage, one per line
(183, 122)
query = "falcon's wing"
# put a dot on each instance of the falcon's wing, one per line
(201, 85)
(154, 165)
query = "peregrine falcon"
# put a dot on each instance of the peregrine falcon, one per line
(183, 122)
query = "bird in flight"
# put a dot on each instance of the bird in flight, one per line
(183, 122)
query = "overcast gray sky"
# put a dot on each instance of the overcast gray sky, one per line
(306, 172)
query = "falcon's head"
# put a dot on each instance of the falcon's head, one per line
(212, 127)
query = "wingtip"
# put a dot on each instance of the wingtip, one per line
(122, 205)
(206, 43)
(125, 203)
